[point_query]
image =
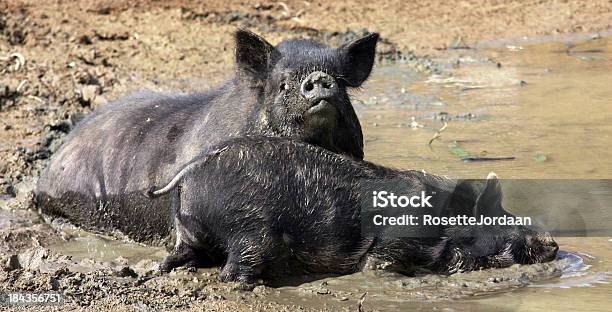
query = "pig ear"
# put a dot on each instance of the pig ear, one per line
(252, 53)
(360, 58)
(489, 202)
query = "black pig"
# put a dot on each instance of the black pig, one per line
(297, 89)
(271, 203)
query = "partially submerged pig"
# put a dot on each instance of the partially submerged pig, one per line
(297, 89)
(266, 204)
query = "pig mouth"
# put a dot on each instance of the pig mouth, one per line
(323, 114)
(322, 108)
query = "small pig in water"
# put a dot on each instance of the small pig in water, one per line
(265, 204)
(296, 89)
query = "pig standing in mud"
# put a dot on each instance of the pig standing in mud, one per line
(297, 89)
(273, 206)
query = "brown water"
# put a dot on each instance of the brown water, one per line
(563, 111)
(548, 109)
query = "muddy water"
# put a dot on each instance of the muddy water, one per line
(541, 103)
(84, 245)
(545, 106)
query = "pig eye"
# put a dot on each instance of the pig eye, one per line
(283, 86)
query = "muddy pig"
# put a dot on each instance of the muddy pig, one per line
(296, 89)
(273, 206)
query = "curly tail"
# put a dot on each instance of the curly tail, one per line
(152, 193)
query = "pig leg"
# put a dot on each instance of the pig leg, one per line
(240, 269)
(188, 256)
(183, 254)
(247, 259)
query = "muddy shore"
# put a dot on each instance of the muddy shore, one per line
(59, 60)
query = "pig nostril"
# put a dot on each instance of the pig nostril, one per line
(308, 86)
(326, 85)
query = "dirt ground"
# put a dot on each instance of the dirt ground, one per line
(61, 59)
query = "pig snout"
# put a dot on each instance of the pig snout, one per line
(318, 86)
(548, 245)
(540, 247)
